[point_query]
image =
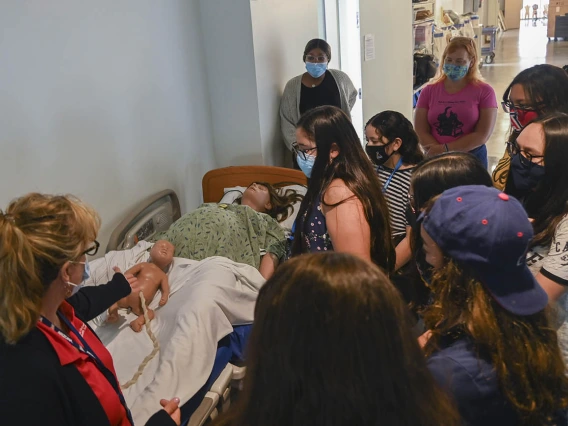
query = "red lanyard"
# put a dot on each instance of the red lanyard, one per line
(86, 349)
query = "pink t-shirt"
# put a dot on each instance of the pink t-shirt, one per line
(452, 116)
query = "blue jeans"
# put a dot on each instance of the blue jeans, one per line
(481, 154)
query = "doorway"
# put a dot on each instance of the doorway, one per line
(341, 24)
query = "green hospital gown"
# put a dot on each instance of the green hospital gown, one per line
(229, 230)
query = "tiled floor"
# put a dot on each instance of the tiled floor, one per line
(515, 51)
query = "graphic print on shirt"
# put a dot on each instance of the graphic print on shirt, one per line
(559, 247)
(448, 124)
(534, 258)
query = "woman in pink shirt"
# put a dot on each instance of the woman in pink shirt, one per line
(457, 111)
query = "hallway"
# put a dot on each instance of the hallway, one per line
(515, 51)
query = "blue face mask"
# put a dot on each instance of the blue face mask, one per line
(306, 165)
(455, 72)
(86, 276)
(316, 70)
(87, 271)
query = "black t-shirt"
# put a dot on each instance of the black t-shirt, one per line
(327, 93)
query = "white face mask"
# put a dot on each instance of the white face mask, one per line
(86, 276)
(76, 287)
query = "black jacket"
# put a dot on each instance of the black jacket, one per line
(35, 389)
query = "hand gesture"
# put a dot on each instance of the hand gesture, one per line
(172, 408)
(132, 280)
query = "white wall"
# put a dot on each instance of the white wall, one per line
(281, 29)
(387, 80)
(105, 100)
(229, 54)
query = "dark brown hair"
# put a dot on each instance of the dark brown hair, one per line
(548, 204)
(392, 125)
(326, 126)
(523, 349)
(431, 178)
(546, 87)
(317, 43)
(332, 346)
(282, 202)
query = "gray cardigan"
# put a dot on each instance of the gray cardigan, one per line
(290, 104)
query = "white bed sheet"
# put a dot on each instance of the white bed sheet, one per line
(207, 298)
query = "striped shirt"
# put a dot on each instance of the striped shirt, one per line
(397, 197)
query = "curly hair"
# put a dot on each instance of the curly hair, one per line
(523, 349)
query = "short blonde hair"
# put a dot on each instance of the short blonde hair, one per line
(38, 234)
(467, 43)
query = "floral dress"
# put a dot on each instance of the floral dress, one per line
(315, 237)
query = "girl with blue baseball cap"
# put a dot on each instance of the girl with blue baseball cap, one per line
(491, 345)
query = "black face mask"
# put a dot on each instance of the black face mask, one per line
(378, 153)
(524, 176)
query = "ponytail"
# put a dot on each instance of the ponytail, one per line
(21, 289)
(38, 234)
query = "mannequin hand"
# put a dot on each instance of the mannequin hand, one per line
(113, 314)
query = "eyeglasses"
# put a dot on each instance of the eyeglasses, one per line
(509, 106)
(302, 153)
(527, 159)
(311, 58)
(93, 250)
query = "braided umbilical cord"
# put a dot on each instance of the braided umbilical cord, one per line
(154, 342)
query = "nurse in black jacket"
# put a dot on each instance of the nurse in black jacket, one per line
(53, 368)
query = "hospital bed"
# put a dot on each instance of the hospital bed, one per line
(155, 214)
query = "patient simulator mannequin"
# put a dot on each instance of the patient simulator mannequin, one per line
(151, 277)
(264, 198)
(247, 231)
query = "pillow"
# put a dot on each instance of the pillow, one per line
(231, 194)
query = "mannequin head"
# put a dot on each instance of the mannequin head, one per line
(265, 198)
(257, 197)
(162, 254)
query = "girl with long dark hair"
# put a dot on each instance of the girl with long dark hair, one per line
(331, 346)
(430, 178)
(393, 147)
(539, 174)
(344, 208)
(533, 93)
